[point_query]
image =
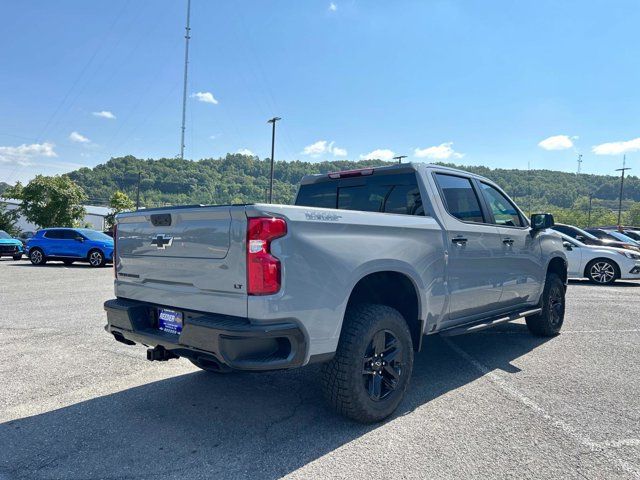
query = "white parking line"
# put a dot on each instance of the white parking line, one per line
(558, 424)
(492, 331)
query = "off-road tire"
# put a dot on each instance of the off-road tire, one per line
(68, 262)
(549, 321)
(343, 378)
(17, 257)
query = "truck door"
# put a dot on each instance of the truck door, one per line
(522, 268)
(473, 277)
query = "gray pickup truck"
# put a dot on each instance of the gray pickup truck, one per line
(353, 275)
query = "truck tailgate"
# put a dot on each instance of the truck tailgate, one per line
(185, 257)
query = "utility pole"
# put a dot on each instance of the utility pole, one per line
(399, 158)
(272, 121)
(589, 216)
(138, 192)
(187, 36)
(621, 170)
(529, 184)
(579, 162)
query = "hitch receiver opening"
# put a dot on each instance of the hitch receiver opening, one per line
(160, 354)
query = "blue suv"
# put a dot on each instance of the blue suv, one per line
(9, 246)
(70, 245)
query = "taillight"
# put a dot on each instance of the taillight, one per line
(263, 269)
(115, 243)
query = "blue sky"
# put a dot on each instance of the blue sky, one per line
(470, 82)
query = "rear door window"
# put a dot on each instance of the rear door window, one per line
(460, 198)
(54, 234)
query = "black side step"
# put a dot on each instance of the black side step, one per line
(487, 323)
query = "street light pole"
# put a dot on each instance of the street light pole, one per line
(399, 158)
(272, 121)
(138, 192)
(621, 170)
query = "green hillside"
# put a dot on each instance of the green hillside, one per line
(240, 178)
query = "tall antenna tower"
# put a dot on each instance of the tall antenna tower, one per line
(187, 37)
(579, 163)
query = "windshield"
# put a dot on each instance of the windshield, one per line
(4, 234)
(622, 237)
(586, 234)
(95, 235)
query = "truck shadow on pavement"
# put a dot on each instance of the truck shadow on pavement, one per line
(243, 425)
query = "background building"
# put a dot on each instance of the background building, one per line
(95, 216)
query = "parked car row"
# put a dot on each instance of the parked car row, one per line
(602, 256)
(67, 245)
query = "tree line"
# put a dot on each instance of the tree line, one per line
(238, 178)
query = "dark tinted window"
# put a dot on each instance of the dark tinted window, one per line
(54, 234)
(460, 198)
(504, 212)
(365, 198)
(565, 230)
(322, 195)
(404, 200)
(377, 193)
(70, 234)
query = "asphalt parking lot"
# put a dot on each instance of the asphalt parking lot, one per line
(75, 404)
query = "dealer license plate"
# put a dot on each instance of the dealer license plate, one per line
(169, 321)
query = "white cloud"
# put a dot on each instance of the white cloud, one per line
(323, 147)
(339, 152)
(104, 114)
(78, 138)
(444, 151)
(379, 154)
(333, 7)
(246, 151)
(557, 142)
(617, 148)
(206, 97)
(24, 154)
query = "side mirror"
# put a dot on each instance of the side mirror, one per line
(79, 239)
(580, 238)
(567, 245)
(541, 221)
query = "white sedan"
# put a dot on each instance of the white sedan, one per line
(602, 265)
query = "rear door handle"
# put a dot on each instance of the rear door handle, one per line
(459, 241)
(508, 241)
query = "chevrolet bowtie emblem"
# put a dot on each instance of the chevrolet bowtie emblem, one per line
(161, 241)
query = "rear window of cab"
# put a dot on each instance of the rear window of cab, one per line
(397, 194)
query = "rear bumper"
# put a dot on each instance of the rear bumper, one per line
(232, 341)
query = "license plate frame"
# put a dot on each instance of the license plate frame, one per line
(170, 321)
